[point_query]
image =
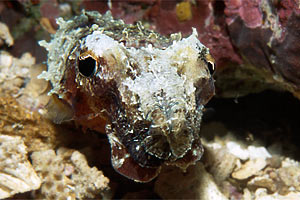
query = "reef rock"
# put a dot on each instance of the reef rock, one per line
(266, 33)
(66, 174)
(16, 173)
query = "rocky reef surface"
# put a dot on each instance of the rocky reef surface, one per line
(249, 132)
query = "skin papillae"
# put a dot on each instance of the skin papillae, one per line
(146, 91)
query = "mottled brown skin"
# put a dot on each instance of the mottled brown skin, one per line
(86, 109)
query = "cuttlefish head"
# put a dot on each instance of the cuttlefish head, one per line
(148, 99)
(152, 98)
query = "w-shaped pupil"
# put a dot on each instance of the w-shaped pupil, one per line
(211, 67)
(87, 66)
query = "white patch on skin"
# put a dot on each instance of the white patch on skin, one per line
(159, 73)
(137, 148)
(164, 86)
(100, 43)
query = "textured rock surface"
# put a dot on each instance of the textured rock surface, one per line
(234, 165)
(66, 174)
(266, 34)
(16, 173)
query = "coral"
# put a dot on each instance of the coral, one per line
(66, 175)
(222, 163)
(16, 173)
(261, 194)
(290, 175)
(33, 94)
(248, 10)
(23, 97)
(37, 132)
(18, 78)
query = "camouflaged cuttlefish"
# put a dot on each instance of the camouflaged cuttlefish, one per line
(146, 91)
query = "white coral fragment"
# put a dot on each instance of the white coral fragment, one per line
(87, 179)
(251, 152)
(16, 173)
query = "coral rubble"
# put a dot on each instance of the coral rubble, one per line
(233, 170)
(65, 174)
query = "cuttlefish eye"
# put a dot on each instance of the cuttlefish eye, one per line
(211, 67)
(210, 62)
(87, 66)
